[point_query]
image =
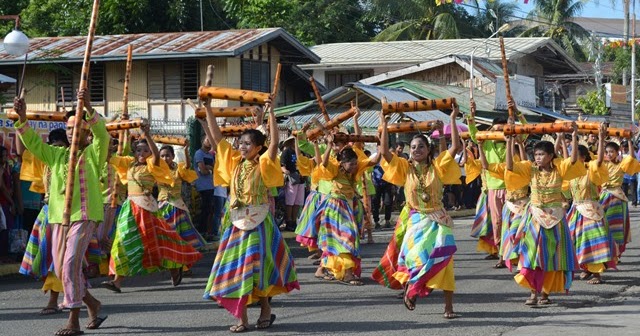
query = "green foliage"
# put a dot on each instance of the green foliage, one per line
(194, 135)
(593, 103)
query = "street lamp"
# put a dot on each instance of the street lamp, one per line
(500, 30)
(16, 43)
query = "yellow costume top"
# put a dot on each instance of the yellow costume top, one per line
(140, 179)
(248, 180)
(585, 188)
(499, 170)
(343, 184)
(423, 185)
(616, 171)
(173, 193)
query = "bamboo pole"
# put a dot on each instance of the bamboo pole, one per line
(542, 128)
(125, 124)
(39, 115)
(484, 135)
(228, 112)
(418, 105)
(75, 139)
(276, 86)
(505, 73)
(410, 127)
(355, 138)
(170, 140)
(245, 96)
(612, 132)
(344, 116)
(323, 108)
(235, 128)
(122, 134)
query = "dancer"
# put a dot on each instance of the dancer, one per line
(613, 199)
(70, 242)
(253, 262)
(38, 259)
(547, 256)
(424, 229)
(144, 243)
(481, 228)
(595, 250)
(342, 218)
(171, 207)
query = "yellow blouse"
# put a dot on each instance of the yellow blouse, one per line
(546, 187)
(248, 180)
(140, 179)
(585, 188)
(179, 173)
(499, 170)
(31, 169)
(414, 176)
(343, 184)
(628, 165)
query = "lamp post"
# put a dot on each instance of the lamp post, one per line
(16, 43)
(471, 80)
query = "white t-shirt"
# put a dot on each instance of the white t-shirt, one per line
(458, 159)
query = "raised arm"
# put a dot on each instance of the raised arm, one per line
(602, 132)
(327, 153)
(155, 153)
(632, 153)
(207, 131)
(523, 154)
(464, 158)
(187, 159)
(356, 126)
(483, 159)
(574, 143)
(509, 159)
(384, 139)
(455, 138)
(317, 156)
(274, 135)
(214, 129)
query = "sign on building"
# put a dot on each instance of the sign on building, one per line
(523, 91)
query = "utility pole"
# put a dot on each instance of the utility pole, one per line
(625, 35)
(633, 66)
(201, 18)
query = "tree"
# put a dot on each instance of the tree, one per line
(553, 18)
(593, 103)
(487, 23)
(415, 19)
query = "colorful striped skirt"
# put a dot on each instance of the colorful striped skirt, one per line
(249, 265)
(425, 261)
(510, 242)
(591, 239)
(482, 227)
(309, 220)
(616, 212)
(338, 236)
(143, 244)
(180, 221)
(38, 260)
(388, 265)
(545, 251)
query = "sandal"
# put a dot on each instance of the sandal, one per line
(50, 311)
(177, 280)
(500, 264)
(595, 281)
(410, 304)
(450, 315)
(531, 302)
(240, 328)
(545, 301)
(585, 275)
(68, 332)
(265, 324)
(491, 257)
(96, 322)
(110, 285)
(353, 281)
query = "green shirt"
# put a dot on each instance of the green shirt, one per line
(87, 193)
(494, 151)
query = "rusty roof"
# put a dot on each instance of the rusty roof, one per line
(223, 43)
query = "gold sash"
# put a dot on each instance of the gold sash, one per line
(590, 209)
(547, 217)
(247, 217)
(618, 193)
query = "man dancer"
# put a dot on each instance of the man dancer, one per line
(70, 242)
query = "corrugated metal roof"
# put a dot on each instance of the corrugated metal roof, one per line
(7, 79)
(223, 43)
(413, 52)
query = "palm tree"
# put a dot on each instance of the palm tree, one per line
(552, 18)
(414, 20)
(495, 14)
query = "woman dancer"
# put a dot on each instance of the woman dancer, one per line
(172, 208)
(613, 199)
(595, 249)
(547, 257)
(253, 262)
(425, 257)
(143, 243)
(38, 259)
(342, 217)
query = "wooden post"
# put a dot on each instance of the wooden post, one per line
(122, 135)
(276, 85)
(323, 108)
(75, 139)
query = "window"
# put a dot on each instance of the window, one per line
(9, 90)
(334, 80)
(68, 78)
(173, 80)
(256, 75)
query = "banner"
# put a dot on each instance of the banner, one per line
(8, 132)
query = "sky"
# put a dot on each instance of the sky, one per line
(603, 9)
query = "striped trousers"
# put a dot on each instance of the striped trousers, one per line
(69, 245)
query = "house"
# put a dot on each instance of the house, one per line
(167, 69)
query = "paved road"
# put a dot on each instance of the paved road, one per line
(488, 300)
